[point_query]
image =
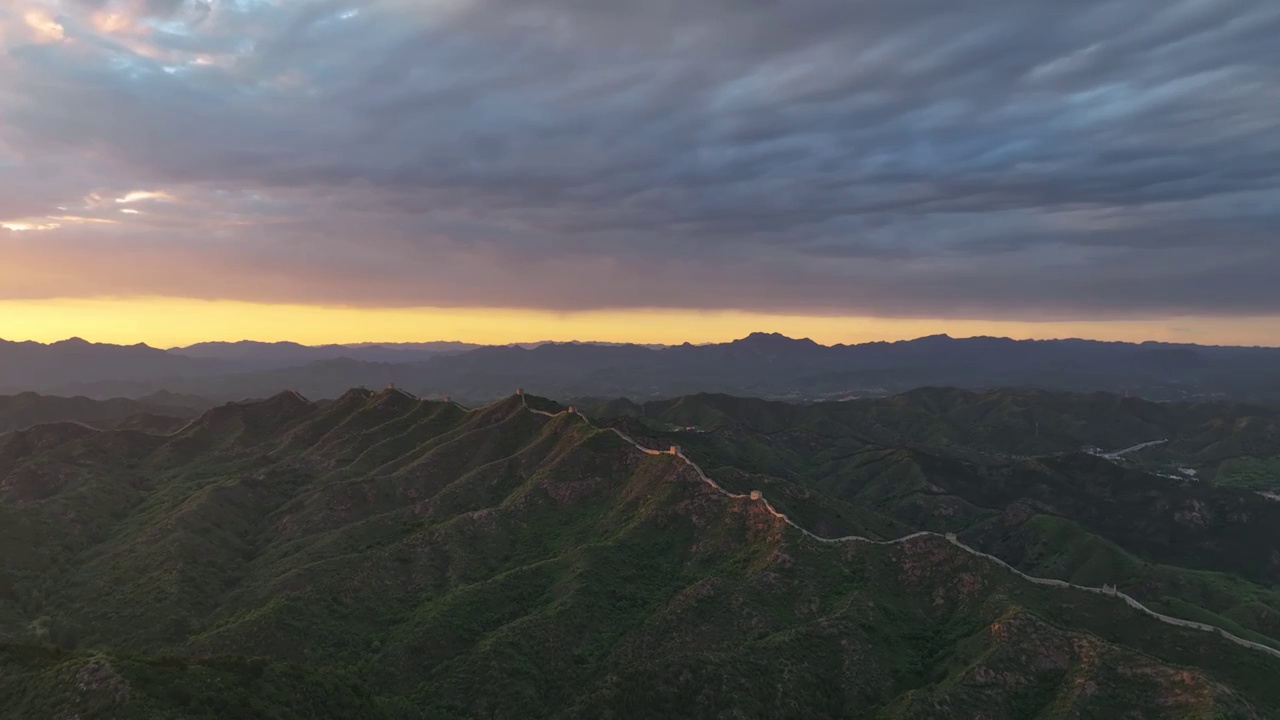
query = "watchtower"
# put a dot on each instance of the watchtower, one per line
(573, 410)
(448, 399)
(675, 450)
(755, 494)
(519, 391)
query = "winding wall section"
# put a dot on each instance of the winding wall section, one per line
(758, 497)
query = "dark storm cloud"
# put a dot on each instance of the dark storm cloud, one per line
(1032, 158)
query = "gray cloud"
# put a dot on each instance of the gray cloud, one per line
(1000, 159)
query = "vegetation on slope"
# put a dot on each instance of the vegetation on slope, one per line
(18, 412)
(383, 556)
(1250, 473)
(950, 461)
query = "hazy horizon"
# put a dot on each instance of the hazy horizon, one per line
(88, 337)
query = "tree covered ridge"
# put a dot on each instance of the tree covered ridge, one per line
(494, 562)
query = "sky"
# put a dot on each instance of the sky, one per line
(660, 171)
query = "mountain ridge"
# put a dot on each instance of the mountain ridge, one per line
(459, 541)
(24, 410)
(763, 365)
(758, 496)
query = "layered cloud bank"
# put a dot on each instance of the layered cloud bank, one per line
(1007, 160)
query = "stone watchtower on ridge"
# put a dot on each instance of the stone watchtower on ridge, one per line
(675, 450)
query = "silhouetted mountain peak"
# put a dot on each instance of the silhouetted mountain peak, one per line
(939, 339)
(356, 395)
(287, 398)
(72, 342)
(773, 341)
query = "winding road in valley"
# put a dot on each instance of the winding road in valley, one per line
(1133, 449)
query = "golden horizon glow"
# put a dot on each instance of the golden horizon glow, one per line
(168, 322)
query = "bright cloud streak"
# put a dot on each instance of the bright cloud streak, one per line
(45, 27)
(52, 222)
(28, 226)
(143, 195)
(79, 220)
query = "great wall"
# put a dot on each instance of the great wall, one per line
(757, 496)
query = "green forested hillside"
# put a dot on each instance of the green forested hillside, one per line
(18, 412)
(384, 556)
(1196, 548)
(1015, 422)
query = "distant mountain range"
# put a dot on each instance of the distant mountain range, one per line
(248, 354)
(763, 365)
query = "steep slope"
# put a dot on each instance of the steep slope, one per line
(40, 683)
(1187, 547)
(1228, 444)
(500, 562)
